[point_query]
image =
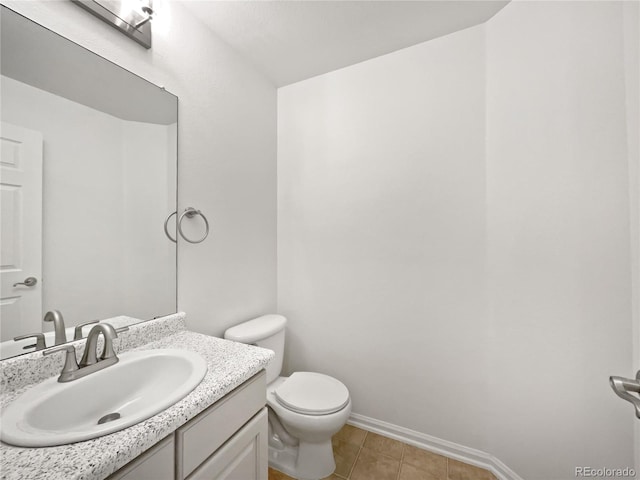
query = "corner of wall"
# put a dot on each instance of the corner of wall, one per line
(631, 22)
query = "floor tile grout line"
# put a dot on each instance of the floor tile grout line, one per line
(353, 466)
(401, 461)
(354, 463)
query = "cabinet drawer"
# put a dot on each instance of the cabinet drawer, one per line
(204, 434)
(243, 457)
(154, 464)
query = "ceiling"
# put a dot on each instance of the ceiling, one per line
(293, 40)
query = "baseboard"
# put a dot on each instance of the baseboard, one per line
(435, 445)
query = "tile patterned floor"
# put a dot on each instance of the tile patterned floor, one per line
(362, 455)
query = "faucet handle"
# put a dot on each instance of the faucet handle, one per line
(40, 344)
(77, 333)
(70, 361)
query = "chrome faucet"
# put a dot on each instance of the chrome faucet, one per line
(54, 316)
(90, 362)
(108, 356)
(58, 325)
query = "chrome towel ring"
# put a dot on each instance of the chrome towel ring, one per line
(189, 212)
(166, 227)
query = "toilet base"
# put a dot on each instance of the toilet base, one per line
(307, 461)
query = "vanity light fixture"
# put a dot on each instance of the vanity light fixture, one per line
(131, 17)
(146, 9)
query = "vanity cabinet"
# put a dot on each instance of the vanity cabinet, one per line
(154, 464)
(202, 436)
(243, 456)
(227, 441)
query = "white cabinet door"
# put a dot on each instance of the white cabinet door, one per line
(243, 457)
(21, 249)
(208, 431)
(157, 463)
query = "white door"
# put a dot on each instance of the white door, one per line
(20, 231)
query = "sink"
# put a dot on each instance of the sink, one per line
(139, 386)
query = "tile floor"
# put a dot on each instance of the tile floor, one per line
(362, 455)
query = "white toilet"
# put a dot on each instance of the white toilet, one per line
(305, 409)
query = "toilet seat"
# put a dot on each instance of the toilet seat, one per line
(312, 393)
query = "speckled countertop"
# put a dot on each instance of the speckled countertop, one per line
(229, 365)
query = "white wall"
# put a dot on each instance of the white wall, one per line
(454, 236)
(558, 237)
(381, 234)
(227, 144)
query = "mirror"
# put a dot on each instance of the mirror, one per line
(89, 174)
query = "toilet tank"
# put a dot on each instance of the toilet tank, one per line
(266, 331)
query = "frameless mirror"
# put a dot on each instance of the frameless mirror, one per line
(88, 177)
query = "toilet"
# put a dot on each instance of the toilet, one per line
(305, 409)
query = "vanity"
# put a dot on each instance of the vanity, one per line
(219, 430)
(227, 440)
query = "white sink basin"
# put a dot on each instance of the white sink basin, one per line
(140, 385)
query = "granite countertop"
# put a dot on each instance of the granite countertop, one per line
(229, 365)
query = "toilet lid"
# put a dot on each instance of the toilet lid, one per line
(312, 393)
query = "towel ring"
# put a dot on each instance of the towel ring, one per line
(191, 212)
(166, 227)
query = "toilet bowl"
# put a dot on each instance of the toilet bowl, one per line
(305, 409)
(312, 428)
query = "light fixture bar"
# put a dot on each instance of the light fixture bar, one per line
(121, 16)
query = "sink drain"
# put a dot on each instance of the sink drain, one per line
(110, 417)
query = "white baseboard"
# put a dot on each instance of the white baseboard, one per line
(435, 445)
